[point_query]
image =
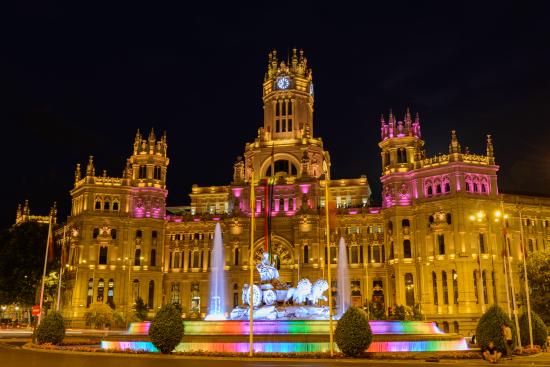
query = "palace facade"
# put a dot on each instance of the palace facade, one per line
(439, 239)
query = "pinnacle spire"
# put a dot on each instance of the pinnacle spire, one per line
(454, 146)
(490, 152)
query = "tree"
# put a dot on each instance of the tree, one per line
(538, 273)
(166, 329)
(22, 250)
(489, 327)
(353, 334)
(141, 309)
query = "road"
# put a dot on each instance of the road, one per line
(15, 356)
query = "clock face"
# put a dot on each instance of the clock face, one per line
(283, 83)
(311, 88)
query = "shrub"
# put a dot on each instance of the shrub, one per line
(166, 329)
(377, 311)
(540, 333)
(353, 334)
(400, 313)
(489, 327)
(51, 329)
(99, 315)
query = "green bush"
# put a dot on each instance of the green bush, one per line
(51, 329)
(99, 315)
(353, 334)
(540, 333)
(489, 327)
(377, 311)
(400, 313)
(166, 329)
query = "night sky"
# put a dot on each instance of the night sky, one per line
(80, 80)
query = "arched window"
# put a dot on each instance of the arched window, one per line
(137, 257)
(177, 260)
(376, 253)
(434, 286)
(405, 223)
(445, 326)
(236, 256)
(445, 288)
(392, 252)
(103, 255)
(151, 298)
(157, 173)
(475, 187)
(113, 234)
(306, 254)
(429, 191)
(447, 187)
(95, 233)
(455, 327)
(153, 259)
(90, 294)
(455, 287)
(97, 205)
(196, 259)
(407, 249)
(409, 289)
(100, 290)
(449, 218)
(115, 206)
(106, 205)
(135, 291)
(483, 188)
(111, 293)
(438, 188)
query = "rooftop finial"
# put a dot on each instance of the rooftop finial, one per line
(90, 169)
(490, 152)
(454, 146)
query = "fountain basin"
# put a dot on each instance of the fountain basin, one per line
(292, 336)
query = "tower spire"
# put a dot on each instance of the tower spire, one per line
(454, 146)
(90, 169)
(77, 174)
(490, 151)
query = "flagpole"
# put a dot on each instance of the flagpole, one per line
(525, 278)
(44, 271)
(61, 268)
(251, 267)
(510, 271)
(331, 337)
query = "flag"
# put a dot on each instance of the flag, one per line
(50, 243)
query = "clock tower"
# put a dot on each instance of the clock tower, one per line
(288, 98)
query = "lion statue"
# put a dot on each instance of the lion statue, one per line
(317, 290)
(300, 293)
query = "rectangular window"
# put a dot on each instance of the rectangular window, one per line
(289, 124)
(441, 243)
(482, 243)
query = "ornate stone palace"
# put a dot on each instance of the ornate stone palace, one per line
(437, 240)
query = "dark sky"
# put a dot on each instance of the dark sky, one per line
(81, 79)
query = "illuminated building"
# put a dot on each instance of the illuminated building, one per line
(420, 247)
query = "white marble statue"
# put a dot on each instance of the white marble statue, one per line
(317, 290)
(300, 293)
(267, 271)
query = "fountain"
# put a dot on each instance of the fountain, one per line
(217, 278)
(286, 319)
(344, 295)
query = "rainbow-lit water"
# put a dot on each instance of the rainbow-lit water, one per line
(413, 336)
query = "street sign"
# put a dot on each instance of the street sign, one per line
(36, 310)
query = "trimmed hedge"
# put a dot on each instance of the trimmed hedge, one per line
(353, 334)
(166, 329)
(489, 327)
(540, 333)
(51, 329)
